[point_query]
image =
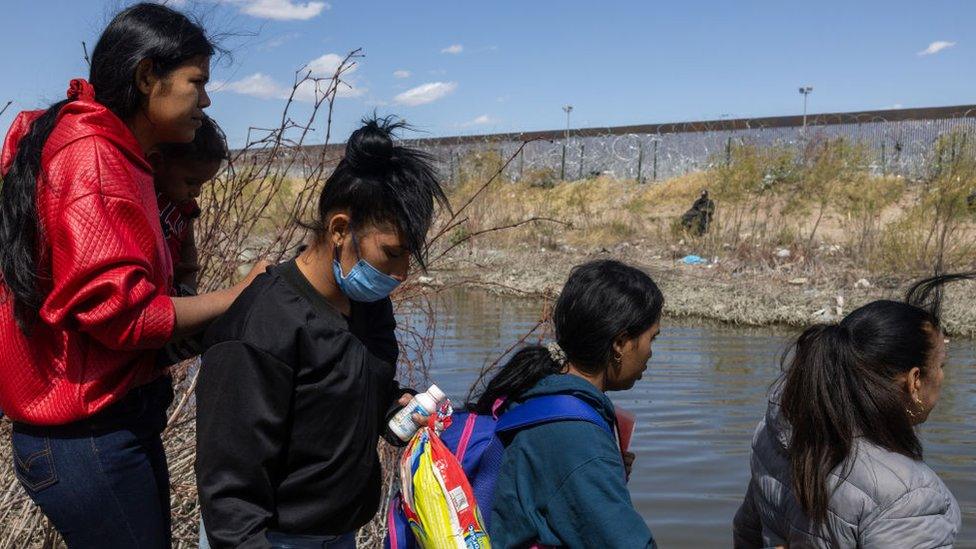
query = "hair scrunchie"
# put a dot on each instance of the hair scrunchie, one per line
(556, 353)
(79, 88)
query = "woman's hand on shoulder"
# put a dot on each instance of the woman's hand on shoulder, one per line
(259, 267)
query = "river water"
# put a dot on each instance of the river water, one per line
(697, 407)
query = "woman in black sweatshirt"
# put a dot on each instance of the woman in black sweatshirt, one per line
(298, 381)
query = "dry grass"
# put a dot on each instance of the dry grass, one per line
(822, 204)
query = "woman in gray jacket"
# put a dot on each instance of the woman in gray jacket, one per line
(836, 462)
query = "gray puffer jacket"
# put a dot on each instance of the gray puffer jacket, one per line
(888, 500)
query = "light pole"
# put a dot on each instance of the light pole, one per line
(568, 109)
(562, 172)
(805, 92)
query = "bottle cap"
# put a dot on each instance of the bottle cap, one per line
(436, 392)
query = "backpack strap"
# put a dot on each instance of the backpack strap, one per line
(399, 535)
(462, 446)
(547, 409)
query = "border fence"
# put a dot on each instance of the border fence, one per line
(899, 142)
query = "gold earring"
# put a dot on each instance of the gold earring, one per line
(918, 404)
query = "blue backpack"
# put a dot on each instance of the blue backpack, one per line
(477, 442)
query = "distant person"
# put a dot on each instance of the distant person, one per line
(299, 379)
(563, 483)
(698, 218)
(837, 461)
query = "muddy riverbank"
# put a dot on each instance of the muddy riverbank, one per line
(782, 294)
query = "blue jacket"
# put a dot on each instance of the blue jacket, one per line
(562, 483)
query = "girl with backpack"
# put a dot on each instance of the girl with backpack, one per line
(85, 280)
(837, 461)
(538, 446)
(563, 483)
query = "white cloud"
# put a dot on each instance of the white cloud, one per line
(278, 41)
(256, 85)
(327, 65)
(896, 106)
(936, 47)
(281, 10)
(425, 93)
(401, 74)
(482, 120)
(309, 91)
(453, 49)
(263, 86)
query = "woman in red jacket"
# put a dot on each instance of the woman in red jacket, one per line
(85, 278)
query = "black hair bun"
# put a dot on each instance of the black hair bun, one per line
(370, 148)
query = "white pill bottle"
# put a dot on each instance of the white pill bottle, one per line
(424, 404)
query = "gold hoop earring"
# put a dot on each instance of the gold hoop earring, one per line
(918, 404)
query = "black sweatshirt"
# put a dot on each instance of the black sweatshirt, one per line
(291, 400)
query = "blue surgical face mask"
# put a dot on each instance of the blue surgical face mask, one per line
(364, 283)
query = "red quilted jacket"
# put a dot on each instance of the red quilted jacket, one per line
(107, 304)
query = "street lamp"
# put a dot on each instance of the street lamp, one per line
(562, 171)
(805, 92)
(568, 109)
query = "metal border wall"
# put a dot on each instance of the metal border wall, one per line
(900, 141)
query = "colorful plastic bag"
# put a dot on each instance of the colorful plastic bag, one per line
(437, 497)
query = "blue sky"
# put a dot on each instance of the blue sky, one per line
(463, 67)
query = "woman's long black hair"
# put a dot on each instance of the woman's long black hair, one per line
(143, 31)
(601, 301)
(379, 182)
(841, 383)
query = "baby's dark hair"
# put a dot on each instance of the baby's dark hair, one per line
(208, 145)
(380, 182)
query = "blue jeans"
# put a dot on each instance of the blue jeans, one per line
(204, 542)
(103, 481)
(295, 541)
(288, 541)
